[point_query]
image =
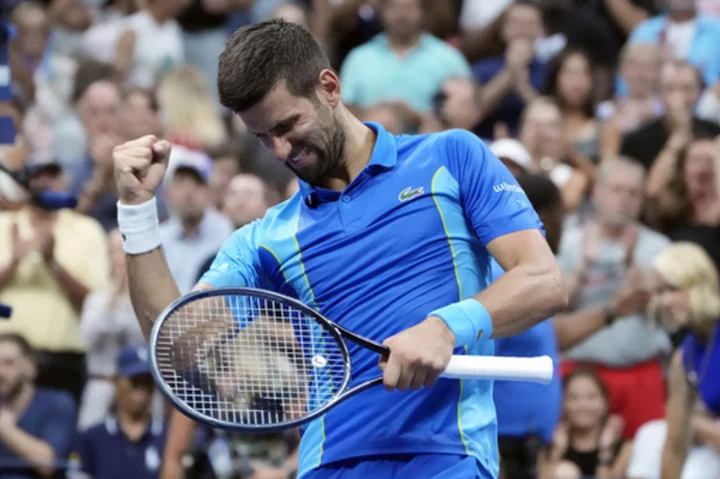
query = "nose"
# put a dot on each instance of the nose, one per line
(281, 148)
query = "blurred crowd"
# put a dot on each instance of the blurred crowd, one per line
(607, 111)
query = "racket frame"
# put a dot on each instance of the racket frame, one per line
(336, 331)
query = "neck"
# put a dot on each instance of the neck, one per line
(403, 42)
(612, 232)
(585, 439)
(157, 13)
(683, 16)
(133, 425)
(37, 213)
(190, 225)
(359, 143)
(706, 208)
(20, 401)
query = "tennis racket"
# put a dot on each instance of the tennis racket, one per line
(249, 360)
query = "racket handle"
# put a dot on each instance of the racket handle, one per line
(538, 369)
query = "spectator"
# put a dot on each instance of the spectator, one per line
(225, 167)
(680, 86)
(50, 260)
(456, 105)
(204, 32)
(389, 116)
(640, 69)
(247, 199)
(684, 34)
(151, 43)
(525, 428)
(130, 442)
(404, 65)
(578, 28)
(36, 424)
(513, 155)
(26, 52)
(293, 12)
(686, 295)
(108, 324)
(99, 41)
(510, 82)
(541, 132)
(91, 173)
(588, 442)
(189, 116)
(195, 230)
(621, 16)
(607, 261)
(570, 83)
(683, 198)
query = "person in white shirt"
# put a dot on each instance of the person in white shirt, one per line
(151, 44)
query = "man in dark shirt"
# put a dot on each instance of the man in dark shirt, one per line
(36, 424)
(130, 442)
(680, 87)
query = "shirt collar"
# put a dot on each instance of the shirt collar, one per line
(113, 428)
(383, 158)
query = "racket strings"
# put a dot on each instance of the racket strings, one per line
(248, 360)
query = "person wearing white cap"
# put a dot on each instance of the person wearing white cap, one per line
(513, 155)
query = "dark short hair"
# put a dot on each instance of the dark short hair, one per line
(541, 191)
(91, 71)
(20, 341)
(261, 55)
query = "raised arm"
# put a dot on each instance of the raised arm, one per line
(139, 167)
(681, 400)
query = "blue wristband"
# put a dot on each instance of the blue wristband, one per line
(468, 320)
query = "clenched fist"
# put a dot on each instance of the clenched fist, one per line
(139, 167)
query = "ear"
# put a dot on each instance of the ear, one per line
(330, 86)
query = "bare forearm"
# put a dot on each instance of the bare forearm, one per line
(152, 287)
(75, 290)
(707, 431)
(181, 430)
(673, 461)
(625, 14)
(92, 191)
(34, 450)
(572, 329)
(661, 172)
(524, 296)
(495, 90)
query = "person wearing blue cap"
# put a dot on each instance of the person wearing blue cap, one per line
(130, 442)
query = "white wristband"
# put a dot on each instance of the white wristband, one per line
(140, 226)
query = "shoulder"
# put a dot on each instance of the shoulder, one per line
(486, 67)
(652, 240)
(60, 402)
(650, 25)
(365, 50)
(437, 46)
(450, 148)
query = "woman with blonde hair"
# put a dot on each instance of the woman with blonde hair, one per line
(188, 110)
(686, 295)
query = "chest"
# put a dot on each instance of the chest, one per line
(388, 230)
(120, 458)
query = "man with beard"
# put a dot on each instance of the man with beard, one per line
(194, 230)
(36, 424)
(390, 236)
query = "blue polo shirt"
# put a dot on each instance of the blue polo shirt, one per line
(517, 415)
(104, 451)
(406, 237)
(50, 417)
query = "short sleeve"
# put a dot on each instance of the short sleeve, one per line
(237, 262)
(491, 198)
(82, 452)
(58, 427)
(457, 64)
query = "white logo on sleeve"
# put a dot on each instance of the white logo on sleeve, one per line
(507, 187)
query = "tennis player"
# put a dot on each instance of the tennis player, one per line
(390, 236)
